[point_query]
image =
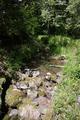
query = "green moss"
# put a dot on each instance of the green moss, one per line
(42, 91)
(13, 96)
(10, 118)
(26, 101)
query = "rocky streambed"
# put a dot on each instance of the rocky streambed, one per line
(29, 96)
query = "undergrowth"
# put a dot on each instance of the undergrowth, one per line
(65, 102)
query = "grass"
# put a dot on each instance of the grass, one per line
(65, 106)
(65, 100)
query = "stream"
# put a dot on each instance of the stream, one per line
(30, 97)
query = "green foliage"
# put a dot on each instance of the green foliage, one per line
(19, 56)
(65, 100)
(61, 17)
(72, 20)
(43, 39)
(30, 18)
(18, 20)
(56, 42)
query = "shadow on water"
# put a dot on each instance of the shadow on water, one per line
(4, 107)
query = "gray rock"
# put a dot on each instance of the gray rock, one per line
(21, 76)
(27, 72)
(43, 104)
(42, 101)
(58, 77)
(32, 94)
(43, 109)
(48, 76)
(36, 73)
(49, 92)
(32, 85)
(47, 84)
(58, 74)
(28, 113)
(13, 112)
(22, 86)
(38, 82)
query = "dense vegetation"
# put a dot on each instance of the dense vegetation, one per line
(22, 21)
(65, 102)
(34, 30)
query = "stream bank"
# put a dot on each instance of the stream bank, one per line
(30, 96)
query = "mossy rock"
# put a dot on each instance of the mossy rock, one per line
(26, 101)
(42, 92)
(10, 118)
(6, 117)
(13, 96)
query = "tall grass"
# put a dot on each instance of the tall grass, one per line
(65, 100)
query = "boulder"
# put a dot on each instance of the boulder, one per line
(21, 86)
(43, 104)
(13, 112)
(28, 112)
(14, 117)
(32, 94)
(42, 101)
(38, 82)
(20, 76)
(36, 73)
(26, 71)
(13, 96)
(32, 85)
(49, 92)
